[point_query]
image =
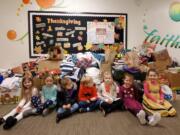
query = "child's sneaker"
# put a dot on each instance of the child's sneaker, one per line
(154, 119)
(81, 110)
(58, 118)
(10, 122)
(142, 117)
(104, 112)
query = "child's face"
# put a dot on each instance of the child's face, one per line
(49, 81)
(128, 81)
(90, 82)
(152, 76)
(27, 84)
(107, 78)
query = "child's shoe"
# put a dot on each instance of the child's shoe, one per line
(58, 118)
(10, 122)
(61, 116)
(81, 110)
(142, 117)
(104, 112)
(154, 119)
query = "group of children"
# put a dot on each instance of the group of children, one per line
(68, 97)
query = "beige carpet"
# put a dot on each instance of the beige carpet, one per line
(116, 123)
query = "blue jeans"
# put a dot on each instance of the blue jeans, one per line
(73, 109)
(92, 105)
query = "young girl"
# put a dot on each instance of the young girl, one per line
(108, 94)
(127, 93)
(16, 114)
(49, 93)
(88, 99)
(153, 99)
(66, 99)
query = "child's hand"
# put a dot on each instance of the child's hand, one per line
(87, 101)
(18, 110)
(160, 102)
(68, 106)
(109, 101)
(64, 106)
(93, 99)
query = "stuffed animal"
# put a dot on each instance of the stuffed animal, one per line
(55, 53)
(131, 59)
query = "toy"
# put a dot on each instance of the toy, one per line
(55, 53)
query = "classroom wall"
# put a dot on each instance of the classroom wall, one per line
(154, 14)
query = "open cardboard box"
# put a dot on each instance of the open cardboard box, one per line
(174, 79)
(162, 61)
(48, 64)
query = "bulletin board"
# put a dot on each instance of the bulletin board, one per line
(75, 32)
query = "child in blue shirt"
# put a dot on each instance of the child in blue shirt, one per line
(49, 93)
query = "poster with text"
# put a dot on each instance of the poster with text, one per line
(75, 32)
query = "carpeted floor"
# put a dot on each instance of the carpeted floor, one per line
(116, 123)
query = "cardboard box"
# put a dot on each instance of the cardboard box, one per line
(151, 65)
(17, 70)
(48, 64)
(161, 66)
(9, 96)
(174, 79)
(105, 67)
(110, 55)
(162, 60)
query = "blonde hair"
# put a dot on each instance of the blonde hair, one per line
(86, 80)
(107, 74)
(46, 76)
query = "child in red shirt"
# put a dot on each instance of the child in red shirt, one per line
(88, 99)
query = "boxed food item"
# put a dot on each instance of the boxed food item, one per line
(9, 96)
(173, 78)
(162, 61)
(48, 64)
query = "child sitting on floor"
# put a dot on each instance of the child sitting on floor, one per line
(66, 98)
(88, 99)
(16, 114)
(108, 94)
(49, 93)
(153, 99)
(127, 93)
